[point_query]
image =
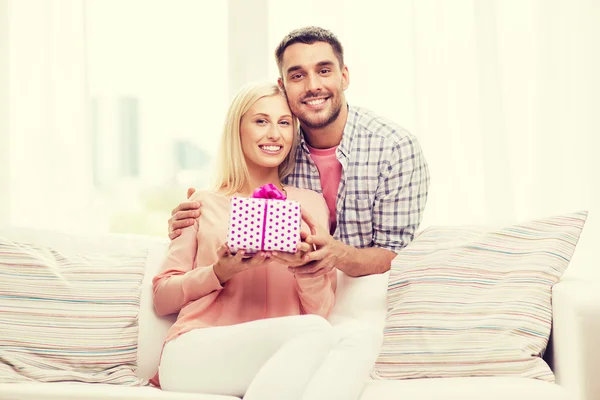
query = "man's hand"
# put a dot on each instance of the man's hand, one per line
(327, 255)
(183, 215)
(295, 259)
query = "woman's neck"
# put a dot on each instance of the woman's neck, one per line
(257, 180)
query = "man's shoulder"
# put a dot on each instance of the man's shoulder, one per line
(372, 125)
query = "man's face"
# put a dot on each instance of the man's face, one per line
(314, 83)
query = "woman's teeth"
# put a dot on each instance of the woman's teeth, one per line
(271, 148)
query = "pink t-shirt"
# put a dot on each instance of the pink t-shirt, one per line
(330, 172)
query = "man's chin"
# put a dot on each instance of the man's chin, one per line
(315, 123)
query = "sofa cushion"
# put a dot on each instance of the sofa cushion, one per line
(79, 391)
(495, 388)
(475, 301)
(69, 307)
(153, 328)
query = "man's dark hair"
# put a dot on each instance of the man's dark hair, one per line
(309, 35)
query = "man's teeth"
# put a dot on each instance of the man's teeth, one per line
(271, 148)
(316, 102)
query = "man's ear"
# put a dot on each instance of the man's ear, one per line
(280, 83)
(345, 78)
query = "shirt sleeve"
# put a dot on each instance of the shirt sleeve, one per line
(317, 295)
(180, 280)
(401, 196)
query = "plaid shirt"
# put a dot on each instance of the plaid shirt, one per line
(384, 183)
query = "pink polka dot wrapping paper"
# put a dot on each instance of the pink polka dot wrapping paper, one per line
(257, 224)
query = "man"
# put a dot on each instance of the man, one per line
(371, 172)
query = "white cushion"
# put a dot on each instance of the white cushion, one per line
(464, 389)
(153, 329)
(79, 391)
(363, 299)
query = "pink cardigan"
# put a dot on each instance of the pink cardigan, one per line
(188, 285)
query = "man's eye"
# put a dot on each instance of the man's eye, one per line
(325, 71)
(296, 76)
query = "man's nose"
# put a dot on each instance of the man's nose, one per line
(313, 83)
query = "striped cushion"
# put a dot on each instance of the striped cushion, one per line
(66, 316)
(471, 301)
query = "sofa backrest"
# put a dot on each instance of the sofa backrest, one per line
(153, 328)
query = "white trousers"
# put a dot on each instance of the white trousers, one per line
(294, 358)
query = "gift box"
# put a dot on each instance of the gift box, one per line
(265, 221)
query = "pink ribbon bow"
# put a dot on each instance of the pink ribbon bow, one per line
(268, 191)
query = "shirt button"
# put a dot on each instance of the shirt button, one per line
(313, 169)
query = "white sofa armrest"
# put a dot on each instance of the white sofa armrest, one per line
(576, 337)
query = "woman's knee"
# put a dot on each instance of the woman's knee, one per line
(316, 323)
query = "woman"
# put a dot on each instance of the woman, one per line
(242, 328)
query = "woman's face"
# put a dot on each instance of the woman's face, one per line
(267, 132)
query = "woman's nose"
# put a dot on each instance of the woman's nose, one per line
(274, 133)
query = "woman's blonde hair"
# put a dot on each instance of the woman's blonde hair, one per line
(232, 170)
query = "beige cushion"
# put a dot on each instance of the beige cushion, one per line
(475, 301)
(69, 307)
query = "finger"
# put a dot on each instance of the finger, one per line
(285, 257)
(239, 256)
(316, 255)
(312, 224)
(321, 272)
(308, 269)
(258, 258)
(315, 274)
(297, 262)
(304, 247)
(186, 205)
(317, 240)
(222, 250)
(186, 214)
(303, 235)
(190, 192)
(175, 234)
(182, 224)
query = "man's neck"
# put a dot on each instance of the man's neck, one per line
(330, 135)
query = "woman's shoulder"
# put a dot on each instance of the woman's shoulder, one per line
(301, 195)
(311, 201)
(308, 198)
(207, 195)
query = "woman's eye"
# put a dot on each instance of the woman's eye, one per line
(286, 123)
(261, 121)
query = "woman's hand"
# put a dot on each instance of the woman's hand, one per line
(228, 264)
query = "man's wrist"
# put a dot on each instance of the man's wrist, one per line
(345, 257)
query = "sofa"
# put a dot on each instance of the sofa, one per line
(573, 352)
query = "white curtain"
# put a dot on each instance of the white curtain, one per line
(501, 93)
(50, 175)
